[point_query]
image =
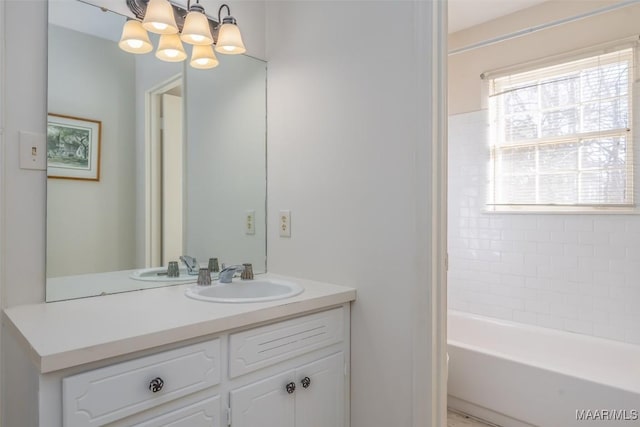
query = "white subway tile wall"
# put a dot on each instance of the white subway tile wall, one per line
(578, 273)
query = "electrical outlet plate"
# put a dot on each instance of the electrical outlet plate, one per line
(284, 223)
(250, 222)
(33, 153)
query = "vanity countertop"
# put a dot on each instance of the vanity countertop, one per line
(64, 334)
(95, 284)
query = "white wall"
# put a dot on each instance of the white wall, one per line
(345, 129)
(25, 190)
(226, 167)
(23, 215)
(572, 272)
(2, 181)
(90, 225)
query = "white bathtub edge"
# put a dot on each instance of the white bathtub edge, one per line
(598, 377)
(489, 378)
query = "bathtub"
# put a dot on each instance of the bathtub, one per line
(516, 375)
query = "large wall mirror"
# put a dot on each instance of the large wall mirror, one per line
(148, 160)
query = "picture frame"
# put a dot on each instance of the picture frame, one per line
(73, 147)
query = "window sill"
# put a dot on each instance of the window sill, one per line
(562, 211)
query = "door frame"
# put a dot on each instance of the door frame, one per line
(153, 168)
(429, 296)
(439, 226)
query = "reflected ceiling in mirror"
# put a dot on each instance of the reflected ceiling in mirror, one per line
(181, 154)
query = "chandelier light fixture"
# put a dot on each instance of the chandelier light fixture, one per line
(135, 38)
(176, 25)
(159, 19)
(229, 38)
(196, 27)
(203, 57)
(170, 48)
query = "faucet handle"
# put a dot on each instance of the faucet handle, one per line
(247, 272)
(204, 277)
(213, 265)
(173, 270)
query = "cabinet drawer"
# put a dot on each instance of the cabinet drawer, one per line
(264, 346)
(202, 414)
(107, 394)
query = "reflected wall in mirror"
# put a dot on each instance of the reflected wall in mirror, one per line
(182, 165)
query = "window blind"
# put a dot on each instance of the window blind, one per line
(561, 135)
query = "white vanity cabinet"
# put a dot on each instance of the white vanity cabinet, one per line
(279, 373)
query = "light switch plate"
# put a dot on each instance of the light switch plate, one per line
(250, 222)
(284, 223)
(33, 151)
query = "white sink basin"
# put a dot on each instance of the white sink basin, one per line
(240, 291)
(151, 275)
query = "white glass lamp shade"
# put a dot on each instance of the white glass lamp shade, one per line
(230, 40)
(135, 38)
(196, 29)
(170, 48)
(159, 18)
(203, 57)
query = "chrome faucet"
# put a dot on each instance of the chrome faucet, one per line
(191, 263)
(226, 274)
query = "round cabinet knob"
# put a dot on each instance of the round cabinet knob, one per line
(291, 387)
(156, 385)
(306, 382)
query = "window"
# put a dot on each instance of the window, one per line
(561, 137)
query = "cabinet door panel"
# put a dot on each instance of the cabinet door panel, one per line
(321, 404)
(265, 403)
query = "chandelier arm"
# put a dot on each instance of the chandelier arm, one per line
(138, 8)
(220, 12)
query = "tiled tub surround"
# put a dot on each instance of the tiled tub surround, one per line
(574, 272)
